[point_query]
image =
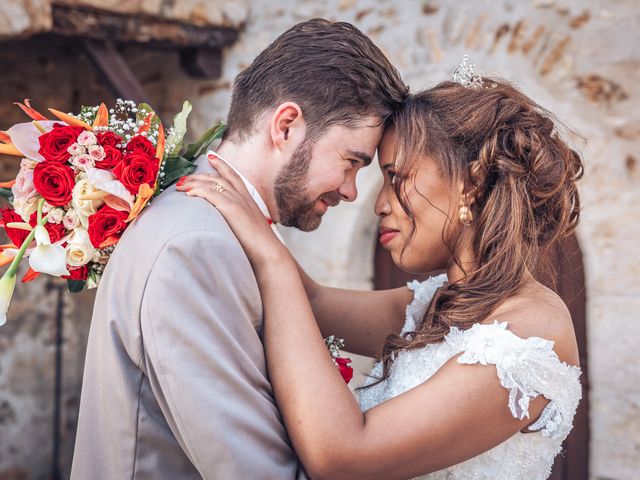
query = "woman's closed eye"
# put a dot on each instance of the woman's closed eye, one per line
(393, 176)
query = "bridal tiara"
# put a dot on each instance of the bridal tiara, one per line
(464, 74)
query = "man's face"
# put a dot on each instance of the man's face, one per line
(321, 174)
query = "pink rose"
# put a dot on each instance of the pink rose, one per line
(96, 152)
(87, 138)
(24, 189)
(82, 162)
(76, 149)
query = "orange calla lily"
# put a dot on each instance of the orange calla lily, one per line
(160, 145)
(30, 275)
(7, 245)
(70, 120)
(10, 149)
(33, 113)
(109, 241)
(8, 184)
(145, 192)
(102, 117)
(5, 259)
(7, 147)
(147, 123)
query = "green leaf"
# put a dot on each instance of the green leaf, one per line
(174, 141)
(199, 147)
(144, 110)
(75, 286)
(7, 194)
(174, 168)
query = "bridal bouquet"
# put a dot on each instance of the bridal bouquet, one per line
(82, 180)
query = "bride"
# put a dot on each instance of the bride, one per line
(478, 375)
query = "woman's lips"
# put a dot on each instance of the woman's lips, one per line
(387, 234)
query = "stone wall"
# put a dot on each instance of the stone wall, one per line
(26, 17)
(579, 59)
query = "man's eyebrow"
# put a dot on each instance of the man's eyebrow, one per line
(366, 158)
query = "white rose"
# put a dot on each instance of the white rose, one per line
(25, 208)
(87, 138)
(79, 248)
(84, 208)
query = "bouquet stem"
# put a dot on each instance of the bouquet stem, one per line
(8, 280)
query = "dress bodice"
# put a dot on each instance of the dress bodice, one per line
(527, 368)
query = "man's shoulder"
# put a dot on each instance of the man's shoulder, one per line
(175, 223)
(173, 214)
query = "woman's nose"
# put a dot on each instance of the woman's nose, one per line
(382, 205)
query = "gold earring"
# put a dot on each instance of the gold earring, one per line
(464, 213)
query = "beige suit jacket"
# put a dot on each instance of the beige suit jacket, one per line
(175, 383)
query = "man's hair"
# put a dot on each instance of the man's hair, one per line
(330, 69)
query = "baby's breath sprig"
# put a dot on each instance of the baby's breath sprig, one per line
(87, 114)
(334, 345)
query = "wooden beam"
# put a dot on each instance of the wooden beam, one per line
(96, 24)
(114, 71)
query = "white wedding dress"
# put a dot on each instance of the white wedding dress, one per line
(526, 367)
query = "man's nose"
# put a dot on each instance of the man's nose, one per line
(348, 191)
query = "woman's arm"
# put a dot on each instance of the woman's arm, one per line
(460, 412)
(363, 319)
(461, 405)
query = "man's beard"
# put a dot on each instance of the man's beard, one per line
(291, 189)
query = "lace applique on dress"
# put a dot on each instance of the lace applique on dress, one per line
(526, 367)
(549, 422)
(422, 294)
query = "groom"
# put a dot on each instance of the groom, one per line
(175, 382)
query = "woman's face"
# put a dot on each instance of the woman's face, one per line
(431, 201)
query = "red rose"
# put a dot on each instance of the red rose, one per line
(140, 144)
(106, 222)
(16, 235)
(345, 370)
(80, 273)
(55, 182)
(54, 144)
(108, 139)
(112, 157)
(56, 230)
(136, 169)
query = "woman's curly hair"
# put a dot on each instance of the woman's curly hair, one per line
(506, 151)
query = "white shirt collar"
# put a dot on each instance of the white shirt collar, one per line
(253, 192)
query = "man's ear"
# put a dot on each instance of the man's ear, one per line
(287, 127)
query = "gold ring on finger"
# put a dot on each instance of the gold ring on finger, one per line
(218, 187)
